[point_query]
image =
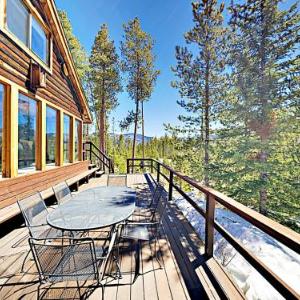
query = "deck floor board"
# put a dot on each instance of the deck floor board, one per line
(178, 249)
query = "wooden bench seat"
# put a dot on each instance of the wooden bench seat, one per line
(13, 210)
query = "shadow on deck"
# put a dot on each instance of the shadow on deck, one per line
(185, 272)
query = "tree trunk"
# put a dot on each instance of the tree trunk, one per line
(102, 126)
(135, 127)
(263, 196)
(206, 122)
(143, 130)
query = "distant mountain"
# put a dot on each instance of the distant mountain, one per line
(139, 137)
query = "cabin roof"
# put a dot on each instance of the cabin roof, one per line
(50, 10)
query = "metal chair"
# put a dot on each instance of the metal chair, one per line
(117, 180)
(144, 231)
(74, 260)
(62, 192)
(34, 211)
(147, 210)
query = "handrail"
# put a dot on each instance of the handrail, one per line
(286, 236)
(105, 160)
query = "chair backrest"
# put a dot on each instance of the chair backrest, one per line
(70, 261)
(156, 196)
(62, 192)
(34, 211)
(117, 180)
(159, 209)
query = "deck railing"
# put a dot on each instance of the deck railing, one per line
(93, 153)
(286, 236)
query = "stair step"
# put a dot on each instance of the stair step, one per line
(99, 173)
(91, 166)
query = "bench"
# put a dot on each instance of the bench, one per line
(13, 210)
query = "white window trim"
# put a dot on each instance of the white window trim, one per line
(33, 12)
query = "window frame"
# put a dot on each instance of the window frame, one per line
(37, 129)
(56, 134)
(70, 159)
(33, 13)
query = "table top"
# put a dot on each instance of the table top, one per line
(94, 208)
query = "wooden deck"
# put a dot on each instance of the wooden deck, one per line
(185, 274)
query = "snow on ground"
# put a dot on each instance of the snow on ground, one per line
(280, 259)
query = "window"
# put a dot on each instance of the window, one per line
(27, 29)
(77, 139)
(50, 135)
(38, 40)
(67, 143)
(18, 20)
(1, 121)
(27, 132)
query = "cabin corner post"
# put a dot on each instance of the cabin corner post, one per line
(209, 225)
(10, 168)
(41, 137)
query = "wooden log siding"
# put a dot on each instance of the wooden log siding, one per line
(12, 189)
(15, 66)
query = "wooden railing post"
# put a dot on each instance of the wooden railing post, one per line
(158, 171)
(151, 166)
(209, 225)
(171, 186)
(90, 152)
(127, 166)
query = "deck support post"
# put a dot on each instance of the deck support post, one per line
(209, 225)
(158, 172)
(171, 186)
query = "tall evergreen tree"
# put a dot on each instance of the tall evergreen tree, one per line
(200, 73)
(79, 54)
(105, 80)
(138, 63)
(263, 64)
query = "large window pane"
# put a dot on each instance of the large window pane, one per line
(18, 20)
(50, 135)
(38, 40)
(77, 139)
(66, 138)
(27, 132)
(1, 122)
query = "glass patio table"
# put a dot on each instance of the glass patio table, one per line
(94, 209)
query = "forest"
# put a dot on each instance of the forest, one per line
(239, 83)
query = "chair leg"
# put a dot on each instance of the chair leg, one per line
(23, 264)
(156, 253)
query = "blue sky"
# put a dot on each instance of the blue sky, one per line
(165, 20)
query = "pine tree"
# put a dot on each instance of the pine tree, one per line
(138, 63)
(105, 80)
(263, 61)
(79, 54)
(200, 74)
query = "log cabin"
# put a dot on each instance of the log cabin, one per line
(42, 112)
(42, 103)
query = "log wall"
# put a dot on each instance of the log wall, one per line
(12, 189)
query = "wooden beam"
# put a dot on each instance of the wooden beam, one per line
(41, 136)
(10, 138)
(60, 138)
(80, 141)
(209, 225)
(72, 139)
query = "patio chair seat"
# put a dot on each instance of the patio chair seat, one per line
(74, 264)
(136, 232)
